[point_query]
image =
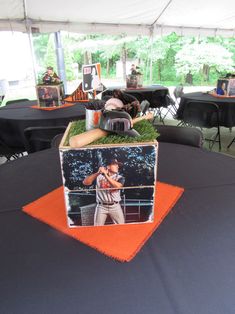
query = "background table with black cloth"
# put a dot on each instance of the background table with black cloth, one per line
(186, 267)
(226, 106)
(14, 118)
(156, 94)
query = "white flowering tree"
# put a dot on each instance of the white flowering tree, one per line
(201, 57)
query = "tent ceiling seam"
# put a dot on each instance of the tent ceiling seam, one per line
(161, 13)
(148, 27)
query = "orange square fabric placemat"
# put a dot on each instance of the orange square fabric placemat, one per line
(52, 108)
(121, 242)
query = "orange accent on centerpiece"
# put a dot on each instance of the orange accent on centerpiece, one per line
(52, 108)
(121, 242)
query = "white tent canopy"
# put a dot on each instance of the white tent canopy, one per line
(131, 17)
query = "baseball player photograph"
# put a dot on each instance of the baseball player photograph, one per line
(109, 183)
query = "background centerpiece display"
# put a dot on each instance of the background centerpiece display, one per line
(50, 91)
(135, 78)
(91, 77)
(93, 113)
(91, 82)
(226, 86)
(90, 86)
(78, 95)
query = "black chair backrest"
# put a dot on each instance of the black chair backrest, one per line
(144, 106)
(202, 114)
(179, 135)
(169, 101)
(40, 137)
(5, 151)
(16, 101)
(9, 152)
(56, 140)
(178, 91)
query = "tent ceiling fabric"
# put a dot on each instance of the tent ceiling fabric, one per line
(132, 17)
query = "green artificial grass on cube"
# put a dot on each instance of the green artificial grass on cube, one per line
(144, 127)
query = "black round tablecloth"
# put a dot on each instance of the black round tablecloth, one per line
(14, 118)
(226, 106)
(186, 267)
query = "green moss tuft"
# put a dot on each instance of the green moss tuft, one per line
(145, 128)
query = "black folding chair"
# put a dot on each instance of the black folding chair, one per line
(233, 140)
(180, 135)
(170, 109)
(203, 115)
(40, 137)
(171, 105)
(16, 101)
(10, 153)
(144, 107)
(1, 99)
(178, 93)
(56, 140)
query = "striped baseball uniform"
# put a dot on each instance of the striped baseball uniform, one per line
(108, 200)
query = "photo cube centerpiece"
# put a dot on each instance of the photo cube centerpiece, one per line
(134, 81)
(231, 87)
(109, 185)
(50, 95)
(226, 87)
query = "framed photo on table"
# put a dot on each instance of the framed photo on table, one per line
(50, 95)
(91, 77)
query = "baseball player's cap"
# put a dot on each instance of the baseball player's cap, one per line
(115, 162)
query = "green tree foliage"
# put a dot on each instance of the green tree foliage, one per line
(172, 56)
(201, 57)
(50, 56)
(40, 42)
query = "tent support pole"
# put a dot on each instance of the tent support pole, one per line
(151, 58)
(29, 32)
(60, 59)
(32, 54)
